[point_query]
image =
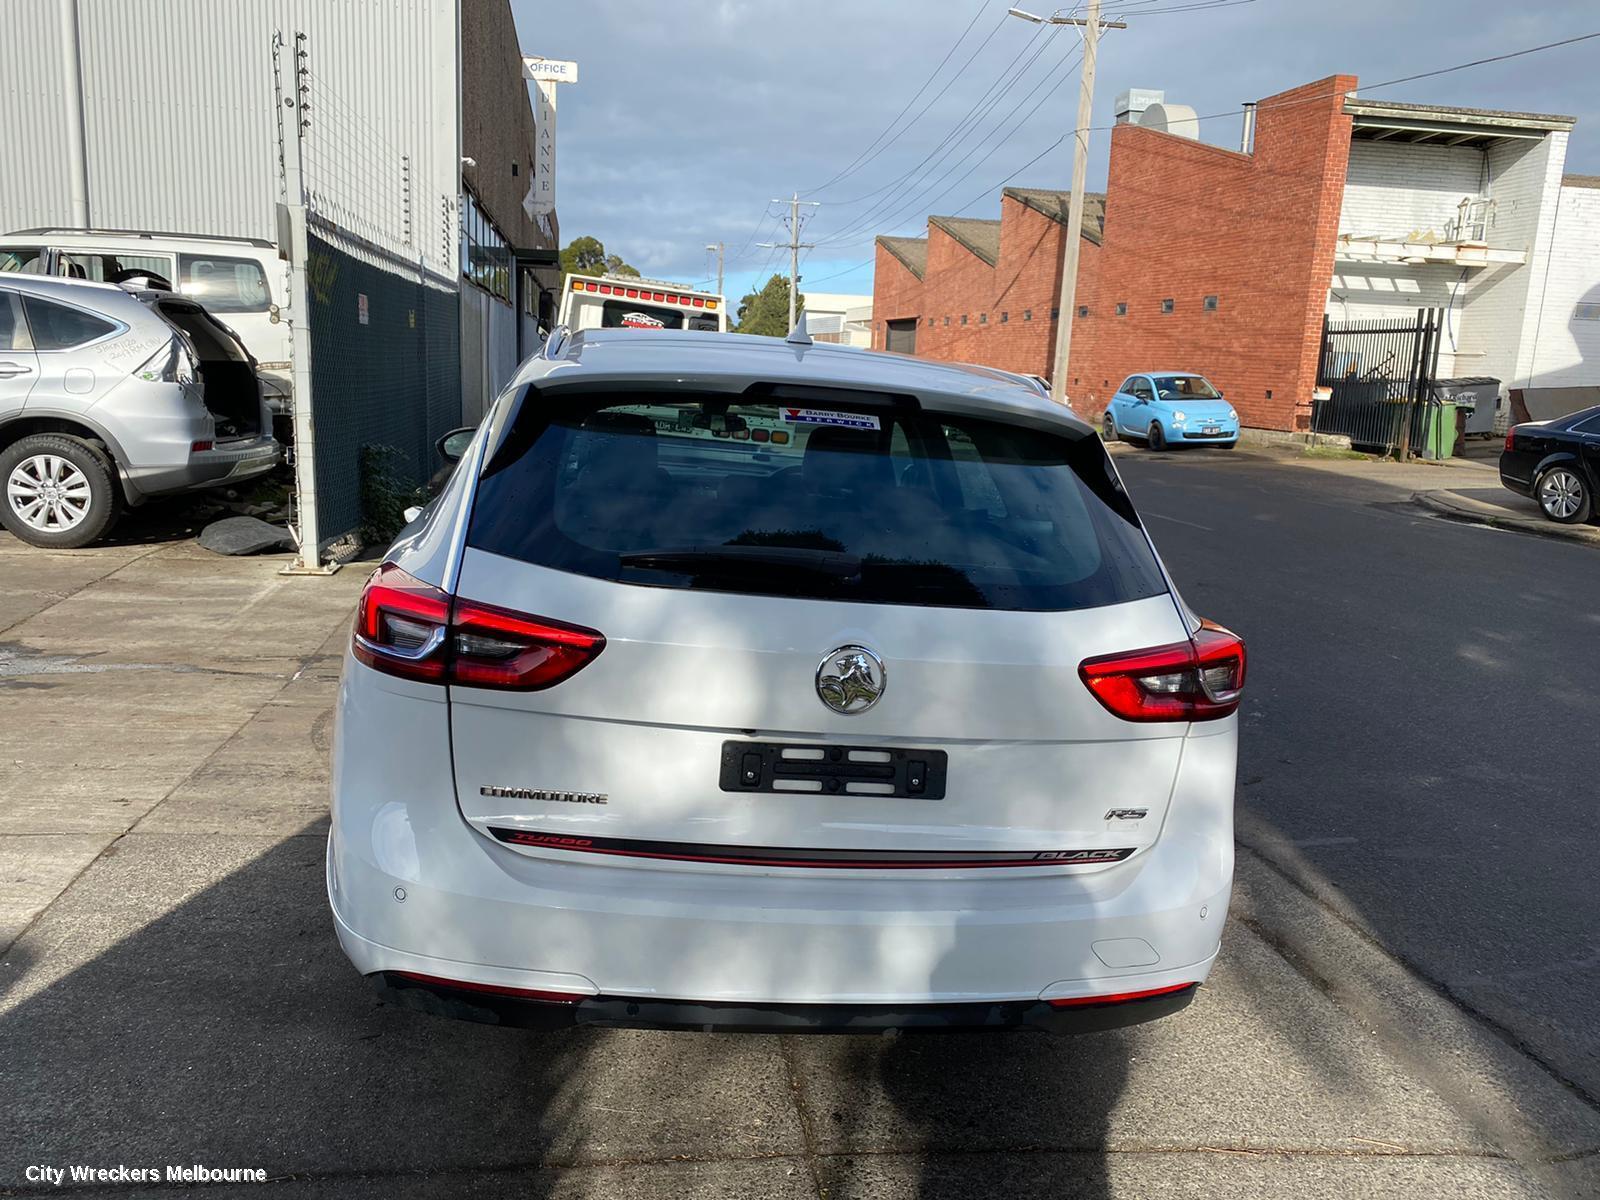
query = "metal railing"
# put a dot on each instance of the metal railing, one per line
(1375, 381)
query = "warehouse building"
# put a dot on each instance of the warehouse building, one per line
(1228, 261)
(405, 134)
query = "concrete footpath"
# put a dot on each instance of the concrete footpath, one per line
(171, 991)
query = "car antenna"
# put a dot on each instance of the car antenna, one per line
(798, 335)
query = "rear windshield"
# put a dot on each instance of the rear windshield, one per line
(888, 507)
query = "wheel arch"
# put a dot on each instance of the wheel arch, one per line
(1564, 458)
(31, 421)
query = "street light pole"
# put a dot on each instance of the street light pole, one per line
(721, 250)
(1067, 306)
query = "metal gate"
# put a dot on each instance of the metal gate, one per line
(1375, 380)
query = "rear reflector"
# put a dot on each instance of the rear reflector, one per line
(1201, 679)
(810, 857)
(492, 989)
(196, 446)
(411, 629)
(1117, 997)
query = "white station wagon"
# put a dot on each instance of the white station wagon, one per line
(750, 684)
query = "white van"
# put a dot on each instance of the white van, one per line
(628, 302)
(239, 280)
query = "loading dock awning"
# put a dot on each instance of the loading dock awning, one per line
(1351, 248)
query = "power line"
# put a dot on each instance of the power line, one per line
(958, 136)
(1063, 70)
(1265, 105)
(980, 108)
(861, 159)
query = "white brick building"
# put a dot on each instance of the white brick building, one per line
(1467, 210)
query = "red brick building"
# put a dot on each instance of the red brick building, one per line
(982, 291)
(1197, 258)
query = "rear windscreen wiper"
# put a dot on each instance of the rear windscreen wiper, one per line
(697, 559)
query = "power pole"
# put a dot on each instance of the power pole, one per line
(1068, 305)
(722, 251)
(795, 245)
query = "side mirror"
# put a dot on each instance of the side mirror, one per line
(454, 444)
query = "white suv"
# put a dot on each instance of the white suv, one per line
(732, 683)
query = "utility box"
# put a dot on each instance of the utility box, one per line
(1477, 395)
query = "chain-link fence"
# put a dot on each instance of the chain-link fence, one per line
(385, 382)
(378, 379)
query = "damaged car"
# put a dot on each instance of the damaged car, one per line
(111, 396)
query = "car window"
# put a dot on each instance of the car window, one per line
(1141, 389)
(211, 341)
(920, 508)
(1589, 425)
(113, 267)
(225, 284)
(57, 327)
(13, 331)
(1127, 385)
(1185, 387)
(26, 260)
(630, 314)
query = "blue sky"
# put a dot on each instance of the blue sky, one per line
(690, 115)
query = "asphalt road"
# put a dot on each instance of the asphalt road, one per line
(1420, 742)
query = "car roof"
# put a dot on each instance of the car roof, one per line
(733, 361)
(90, 239)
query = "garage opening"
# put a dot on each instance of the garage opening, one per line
(901, 337)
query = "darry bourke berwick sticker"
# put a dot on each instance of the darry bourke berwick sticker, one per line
(825, 416)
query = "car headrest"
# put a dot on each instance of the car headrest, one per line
(617, 450)
(840, 459)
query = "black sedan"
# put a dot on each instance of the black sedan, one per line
(1557, 463)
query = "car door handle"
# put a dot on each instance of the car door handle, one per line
(9, 369)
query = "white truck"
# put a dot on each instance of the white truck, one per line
(625, 302)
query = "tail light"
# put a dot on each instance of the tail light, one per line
(414, 630)
(1197, 680)
(1511, 438)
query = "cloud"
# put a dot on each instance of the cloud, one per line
(691, 115)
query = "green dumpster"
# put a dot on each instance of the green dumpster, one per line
(1439, 428)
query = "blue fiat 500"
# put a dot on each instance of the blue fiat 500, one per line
(1170, 409)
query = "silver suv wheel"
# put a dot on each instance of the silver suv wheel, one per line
(48, 493)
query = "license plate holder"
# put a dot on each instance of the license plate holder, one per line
(807, 769)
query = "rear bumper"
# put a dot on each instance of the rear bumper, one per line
(415, 889)
(438, 998)
(228, 463)
(1523, 487)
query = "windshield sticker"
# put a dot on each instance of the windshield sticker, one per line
(639, 320)
(823, 416)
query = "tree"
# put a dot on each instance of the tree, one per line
(767, 311)
(587, 256)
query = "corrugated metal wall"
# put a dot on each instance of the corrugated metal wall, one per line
(34, 189)
(179, 105)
